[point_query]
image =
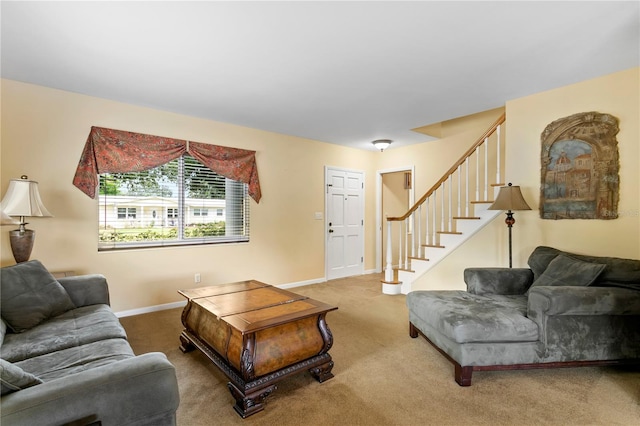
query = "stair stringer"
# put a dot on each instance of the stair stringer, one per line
(450, 242)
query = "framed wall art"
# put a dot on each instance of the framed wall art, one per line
(579, 168)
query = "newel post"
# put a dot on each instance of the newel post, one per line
(388, 272)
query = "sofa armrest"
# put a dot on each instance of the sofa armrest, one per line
(586, 323)
(139, 390)
(507, 281)
(576, 300)
(86, 289)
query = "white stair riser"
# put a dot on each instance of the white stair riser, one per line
(468, 227)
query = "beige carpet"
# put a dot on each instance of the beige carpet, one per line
(384, 377)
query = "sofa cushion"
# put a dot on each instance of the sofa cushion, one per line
(618, 273)
(29, 294)
(14, 378)
(80, 358)
(73, 328)
(519, 303)
(465, 318)
(3, 331)
(565, 270)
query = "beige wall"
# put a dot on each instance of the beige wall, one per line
(44, 130)
(43, 133)
(617, 94)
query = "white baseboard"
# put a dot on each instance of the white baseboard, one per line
(149, 309)
(181, 304)
(316, 281)
(302, 283)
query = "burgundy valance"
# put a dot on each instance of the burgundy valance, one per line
(118, 151)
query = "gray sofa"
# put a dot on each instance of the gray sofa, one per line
(564, 310)
(65, 359)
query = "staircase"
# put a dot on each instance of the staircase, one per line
(448, 214)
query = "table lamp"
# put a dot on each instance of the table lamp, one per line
(23, 199)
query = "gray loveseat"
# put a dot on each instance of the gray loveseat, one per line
(565, 310)
(65, 359)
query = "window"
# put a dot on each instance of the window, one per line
(185, 191)
(126, 212)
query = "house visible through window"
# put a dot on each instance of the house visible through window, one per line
(169, 205)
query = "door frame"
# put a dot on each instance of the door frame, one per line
(379, 222)
(326, 220)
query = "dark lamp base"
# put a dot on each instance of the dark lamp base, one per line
(22, 244)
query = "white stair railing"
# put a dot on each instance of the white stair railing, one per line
(443, 199)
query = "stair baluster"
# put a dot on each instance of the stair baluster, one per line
(441, 233)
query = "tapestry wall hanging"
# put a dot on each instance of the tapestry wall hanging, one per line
(579, 173)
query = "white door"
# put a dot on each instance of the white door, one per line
(344, 223)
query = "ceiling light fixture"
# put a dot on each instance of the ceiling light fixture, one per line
(381, 144)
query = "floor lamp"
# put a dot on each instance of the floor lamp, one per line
(509, 198)
(23, 199)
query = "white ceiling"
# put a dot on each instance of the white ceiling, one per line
(339, 72)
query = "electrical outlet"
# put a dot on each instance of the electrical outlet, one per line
(196, 278)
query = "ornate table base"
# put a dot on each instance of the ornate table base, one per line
(257, 335)
(250, 395)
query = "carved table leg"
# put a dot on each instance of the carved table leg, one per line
(322, 372)
(185, 344)
(246, 405)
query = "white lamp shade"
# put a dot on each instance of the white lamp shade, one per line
(23, 199)
(5, 219)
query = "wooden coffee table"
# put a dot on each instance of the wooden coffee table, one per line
(257, 335)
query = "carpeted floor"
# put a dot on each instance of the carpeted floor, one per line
(384, 377)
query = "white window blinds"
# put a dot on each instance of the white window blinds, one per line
(172, 204)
